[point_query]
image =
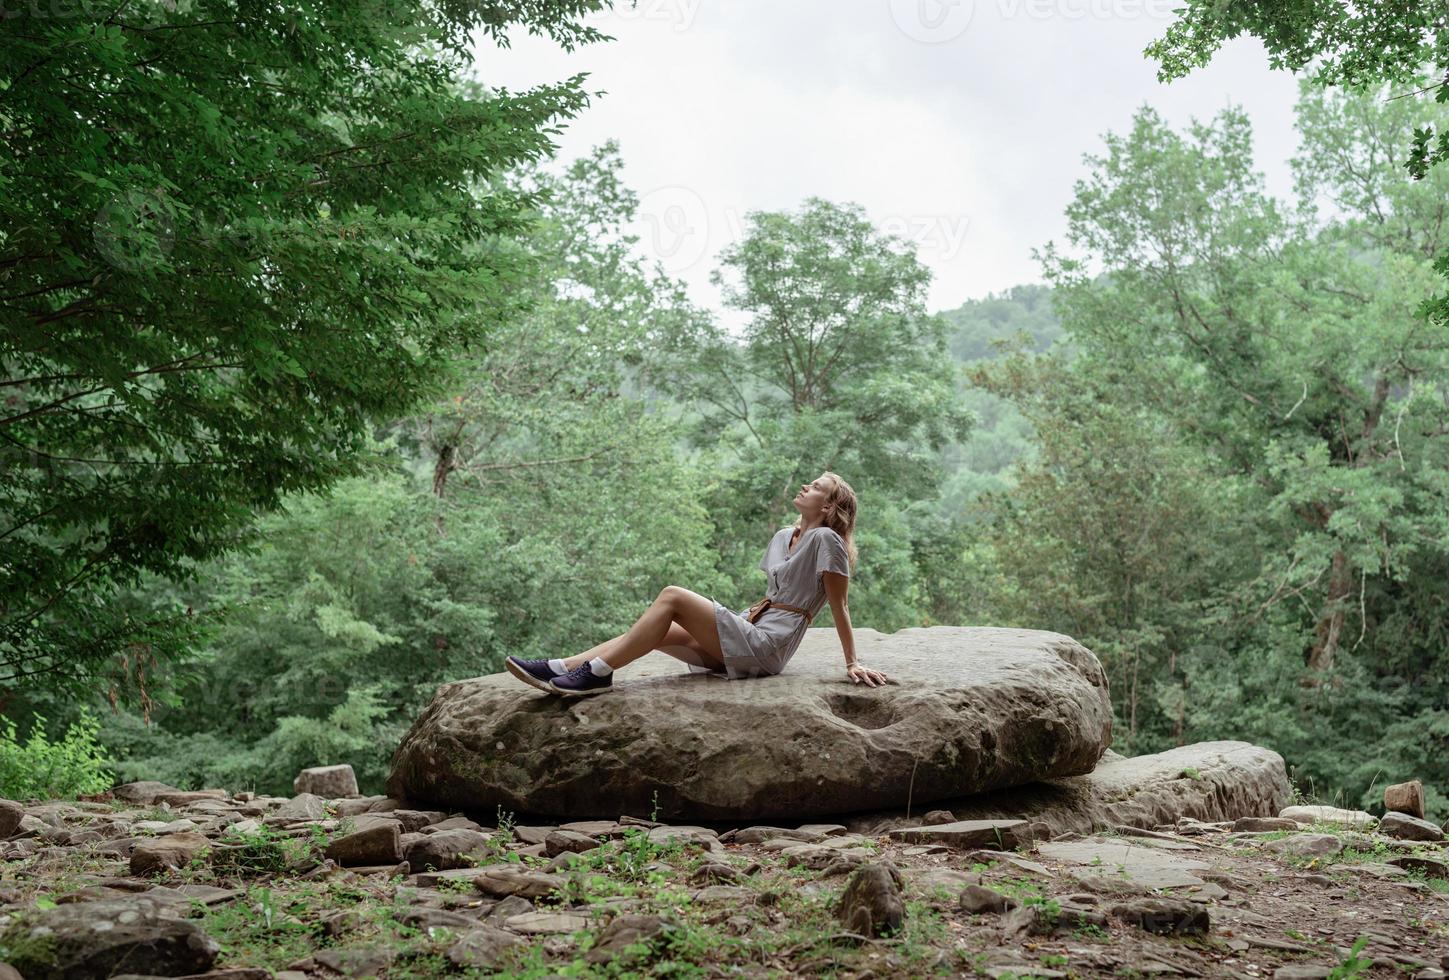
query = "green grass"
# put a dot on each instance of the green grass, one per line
(265, 851)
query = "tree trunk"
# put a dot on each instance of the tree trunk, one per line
(1330, 620)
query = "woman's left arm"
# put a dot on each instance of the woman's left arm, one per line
(836, 588)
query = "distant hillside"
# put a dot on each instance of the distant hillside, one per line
(1020, 309)
(1002, 436)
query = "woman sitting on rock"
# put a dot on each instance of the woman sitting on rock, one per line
(807, 565)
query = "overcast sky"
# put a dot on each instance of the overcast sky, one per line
(959, 125)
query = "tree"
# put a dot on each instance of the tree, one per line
(233, 239)
(1358, 45)
(1238, 491)
(535, 510)
(839, 368)
(1367, 47)
(543, 398)
(1300, 358)
(840, 365)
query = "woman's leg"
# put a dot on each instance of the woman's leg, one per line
(679, 643)
(674, 605)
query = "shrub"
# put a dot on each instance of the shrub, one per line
(43, 769)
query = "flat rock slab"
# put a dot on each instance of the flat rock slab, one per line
(968, 834)
(1136, 865)
(975, 709)
(1308, 815)
(1210, 781)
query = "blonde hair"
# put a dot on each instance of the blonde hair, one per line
(839, 513)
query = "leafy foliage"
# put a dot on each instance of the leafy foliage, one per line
(38, 768)
(1356, 45)
(191, 335)
(1235, 499)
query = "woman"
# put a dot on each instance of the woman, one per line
(808, 565)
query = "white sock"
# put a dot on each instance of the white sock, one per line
(557, 666)
(600, 668)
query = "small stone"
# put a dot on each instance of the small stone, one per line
(594, 828)
(367, 821)
(547, 923)
(300, 808)
(454, 823)
(1405, 798)
(932, 881)
(720, 893)
(1306, 845)
(446, 849)
(508, 908)
(965, 834)
(826, 829)
(357, 806)
(415, 820)
(1303, 971)
(817, 858)
(567, 840)
(329, 782)
(871, 904)
(1261, 825)
(242, 827)
(427, 918)
(627, 821)
(1164, 916)
(563, 861)
(701, 837)
(977, 899)
(841, 864)
(758, 835)
(1043, 920)
(11, 814)
(936, 817)
(380, 844)
(1429, 867)
(501, 882)
(167, 853)
(1405, 827)
(179, 799)
(143, 793)
(715, 873)
(1352, 819)
(532, 835)
(625, 931)
(361, 962)
(341, 923)
(481, 947)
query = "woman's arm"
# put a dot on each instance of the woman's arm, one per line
(836, 589)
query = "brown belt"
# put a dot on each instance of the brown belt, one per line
(758, 609)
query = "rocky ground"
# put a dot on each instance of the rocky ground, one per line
(152, 881)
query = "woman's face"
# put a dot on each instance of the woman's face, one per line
(812, 496)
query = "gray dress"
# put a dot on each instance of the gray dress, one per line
(795, 577)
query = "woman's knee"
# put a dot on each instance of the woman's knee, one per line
(678, 636)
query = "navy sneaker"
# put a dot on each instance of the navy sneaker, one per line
(580, 681)
(535, 672)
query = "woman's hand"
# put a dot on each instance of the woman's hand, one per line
(861, 674)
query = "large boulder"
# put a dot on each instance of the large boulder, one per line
(1208, 781)
(971, 710)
